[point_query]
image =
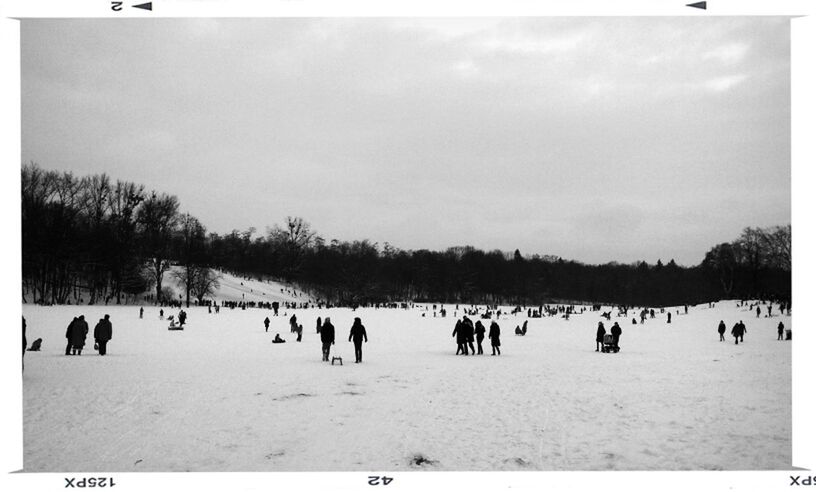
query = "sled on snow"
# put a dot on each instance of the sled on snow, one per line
(609, 345)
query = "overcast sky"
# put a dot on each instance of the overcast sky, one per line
(595, 139)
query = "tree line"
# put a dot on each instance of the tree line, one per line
(100, 240)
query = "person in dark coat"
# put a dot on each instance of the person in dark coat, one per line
(278, 339)
(358, 334)
(78, 334)
(780, 328)
(293, 324)
(266, 324)
(182, 317)
(736, 332)
(469, 330)
(299, 332)
(141, 312)
(616, 333)
(318, 324)
(599, 334)
(479, 330)
(461, 337)
(758, 311)
(743, 330)
(669, 318)
(68, 332)
(721, 330)
(494, 334)
(327, 337)
(103, 333)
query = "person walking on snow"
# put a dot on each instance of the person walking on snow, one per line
(327, 337)
(599, 335)
(461, 337)
(358, 335)
(758, 311)
(494, 335)
(103, 333)
(616, 333)
(480, 334)
(721, 330)
(266, 324)
(779, 329)
(736, 332)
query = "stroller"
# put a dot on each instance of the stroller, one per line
(609, 344)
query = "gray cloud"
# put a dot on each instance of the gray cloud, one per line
(594, 139)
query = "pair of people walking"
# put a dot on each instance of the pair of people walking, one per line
(357, 335)
(615, 331)
(77, 333)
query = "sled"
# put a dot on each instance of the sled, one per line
(609, 345)
(340, 359)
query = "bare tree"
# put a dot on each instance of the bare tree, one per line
(157, 219)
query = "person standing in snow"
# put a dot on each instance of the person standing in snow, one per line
(736, 332)
(358, 334)
(599, 336)
(182, 317)
(721, 330)
(494, 335)
(743, 330)
(479, 329)
(461, 337)
(293, 324)
(78, 332)
(469, 330)
(141, 312)
(616, 333)
(327, 337)
(266, 324)
(103, 333)
(758, 311)
(318, 324)
(779, 329)
(669, 318)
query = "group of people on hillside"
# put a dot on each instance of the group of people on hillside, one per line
(465, 330)
(77, 333)
(739, 330)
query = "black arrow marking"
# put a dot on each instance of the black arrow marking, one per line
(698, 5)
(149, 6)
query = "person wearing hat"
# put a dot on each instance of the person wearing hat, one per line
(358, 333)
(103, 332)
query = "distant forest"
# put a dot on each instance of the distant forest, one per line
(105, 240)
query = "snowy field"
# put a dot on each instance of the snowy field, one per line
(219, 396)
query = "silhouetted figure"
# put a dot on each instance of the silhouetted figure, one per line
(182, 317)
(770, 307)
(141, 312)
(78, 334)
(293, 324)
(599, 335)
(275, 307)
(469, 329)
(161, 313)
(327, 337)
(68, 332)
(480, 334)
(758, 311)
(780, 329)
(736, 332)
(358, 335)
(103, 333)
(616, 333)
(743, 330)
(494, 335)
(278, 339)
(461, 337)
(318, 324)
(721, 330)
(524, 328)
(36, 345)
(668, 320)
(266, 324)
(299, 332)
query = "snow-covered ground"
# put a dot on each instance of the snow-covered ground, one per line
(219, 396)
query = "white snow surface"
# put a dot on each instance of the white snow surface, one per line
(219, 396)
(234, 288)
